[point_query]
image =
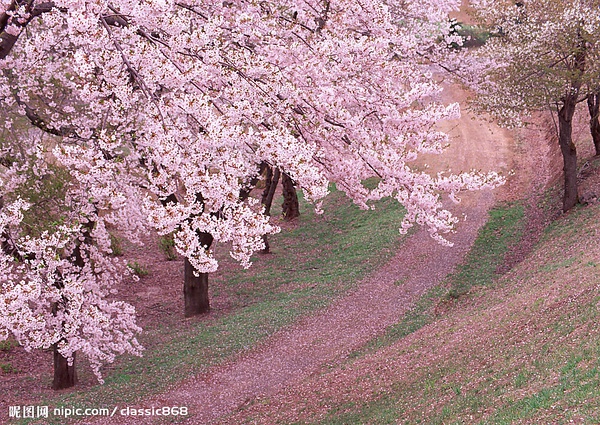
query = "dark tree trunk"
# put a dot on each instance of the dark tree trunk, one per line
(593, 102)
(270, 185)
(569, 152)
(271, 181)
(565, 126)
(195, 288)
(195, 291)
(267, 248)
(290, 207)
(65, 376)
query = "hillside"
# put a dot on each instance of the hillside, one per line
(466, 291)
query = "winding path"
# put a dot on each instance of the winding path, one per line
(294, 353)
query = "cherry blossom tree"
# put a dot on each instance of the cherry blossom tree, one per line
(544, 56)
(189, 101)
(56, 273)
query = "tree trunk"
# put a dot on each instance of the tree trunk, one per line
(569, 152)
(195, 288)
(290, 207)
(271, 181)
(593, 102)
(65, 376)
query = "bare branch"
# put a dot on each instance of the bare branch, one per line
(191, 9)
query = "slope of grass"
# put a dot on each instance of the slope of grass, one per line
(502, 231)
(319, 260)
(524, 350)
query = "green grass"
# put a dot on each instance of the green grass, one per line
(381, 411)
(565, 372)
(116, 245)
(337, 248)
(167, 245)
(473, 36)
(8, 344)
(138, 269)
(310, 266)
(575, 396)
(7, 368)
(503, 230)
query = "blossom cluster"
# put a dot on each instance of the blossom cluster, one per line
(532, 61)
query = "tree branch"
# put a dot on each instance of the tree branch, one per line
(8, 38)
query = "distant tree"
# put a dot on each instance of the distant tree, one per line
(593, 101)
(544, 56)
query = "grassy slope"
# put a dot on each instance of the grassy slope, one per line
(521, 348)
(321, 259)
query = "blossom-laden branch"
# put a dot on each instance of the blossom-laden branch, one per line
(14, 17)
(205, 94)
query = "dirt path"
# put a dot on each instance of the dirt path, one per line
(291, 355)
